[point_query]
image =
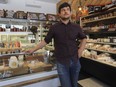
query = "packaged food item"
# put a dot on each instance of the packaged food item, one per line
(32, 16)
(42, 16)
(2, 13)
(9, 13)
(13, 62)
(20, 15)
(86, 53)
(21, 60)
(51, 17)
(17, 44)
(93, 54)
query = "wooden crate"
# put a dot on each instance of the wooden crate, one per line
(36, 69)
(48, 67)
(18, 71)
(34, 57)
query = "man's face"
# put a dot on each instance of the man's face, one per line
(65, 13)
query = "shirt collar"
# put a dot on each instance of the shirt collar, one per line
(65, 24)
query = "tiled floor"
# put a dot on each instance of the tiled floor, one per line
(78, 85)
(86, 80)
(92, 82)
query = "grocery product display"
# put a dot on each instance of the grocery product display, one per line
(21, 31)
(100, 50)
(30, 64)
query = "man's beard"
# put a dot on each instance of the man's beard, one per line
(64, 19)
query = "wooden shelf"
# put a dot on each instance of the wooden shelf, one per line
(104, 62)
(12, 54)
(103, 43)
(23, 20)
(99, 32)
(102, 51)
(15, 33)
(98, 13)
(100, 19)
(100, 70)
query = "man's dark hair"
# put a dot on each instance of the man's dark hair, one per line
(65, 4)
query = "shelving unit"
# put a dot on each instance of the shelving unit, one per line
(97, 60)
(35, 78)
(13, 19)
(100, 69)
(103, 43)
(15, 33)
(103, 71)
(98, 13)
(26, 34)
(103, 19)
(101, 51)
(9, 37)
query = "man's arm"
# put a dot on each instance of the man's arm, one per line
(39, 46)
(81, 47)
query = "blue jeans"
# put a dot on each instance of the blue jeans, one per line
(68, 75)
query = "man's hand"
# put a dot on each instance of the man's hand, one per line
(39, 46)
(80, 53)
(81, 47)
(29, 51)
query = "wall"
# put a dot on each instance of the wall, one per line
(24, 5)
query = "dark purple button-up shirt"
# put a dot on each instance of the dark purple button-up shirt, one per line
(65, 40)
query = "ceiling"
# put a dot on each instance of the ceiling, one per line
(50, 1)
(76, 3)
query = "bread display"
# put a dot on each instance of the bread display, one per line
(89, 45)
(100, 45)
(38, 66)
(35, 64)
(114, 62)
(13, 62)
(93, 54)
(21, 60)
(18, 65)
(96, 46)
(105, 57)
(91, 40)
(86, 53)
(113, 50)
(105, 48)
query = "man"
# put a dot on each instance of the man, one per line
(67, 53)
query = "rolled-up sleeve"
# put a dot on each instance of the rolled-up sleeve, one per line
(81, 34)
(49, 35)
